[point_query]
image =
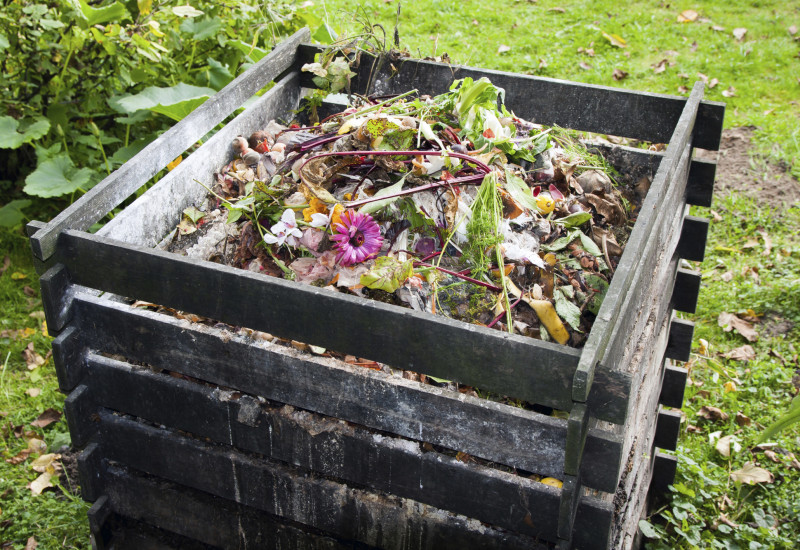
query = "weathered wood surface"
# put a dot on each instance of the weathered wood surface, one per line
(352, 514)
(500, 433)
(318, 444)
(591, 108)
(158, 211)
(673, 386)
(122, 183)
(511, 365)
(668, 183)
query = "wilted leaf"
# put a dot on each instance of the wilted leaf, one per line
(40, 483)
(186, 11)
(688, 16)
(712, 413)
(567, 310)
(57, 176)
(585, 66)
(46, 418)
(11, 136)
(387, 274)
(712, 83)
(742, 420)
(33, 392)
(792, 30)
(174, 164)
(503, 49)
(739, 33)
(557, 10)
(730, 92)
(186, 227)
(730, 386)
(47, 463)
(727, 444)
(717, 28)
(615, 40)
(619, 74)
(31, 544)
(743, 353)
(683, 90)
(751, 474)
(729, 321)
(660, 67)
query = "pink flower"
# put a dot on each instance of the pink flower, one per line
(357, 238)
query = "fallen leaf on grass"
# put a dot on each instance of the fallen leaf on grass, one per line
(717, 28)
(32, 359)
(767, 242)
(742, 420)
(619, 74)
(585, 66)
(739, 33)
(727, 276)
(33, 392)
(47, 463)
(31, 544)
(727, 444)
(688, 16)
(751, 474)
(712, 413)
(683, 90)
(615, 40)
(729, 322)
(503, 49)
(557, 10)
(40, 483)
(792, 30)
(660, 67)
(730, 92)
(6, 264)
(18, 276)
(729, 386)
(46, 418)
(743, 353)
(28, 291)
(712, 83)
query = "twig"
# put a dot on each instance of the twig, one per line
(605, 253)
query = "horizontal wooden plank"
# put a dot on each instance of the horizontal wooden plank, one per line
(679, 347)
(500, 433)
(668, 429)
(346, 512)
(700, 189)
(686, 290)
(507, 364)
(158, 211)
(548, 101)
(694, 233)
(122, 183)
(151, 511)
(673, 386)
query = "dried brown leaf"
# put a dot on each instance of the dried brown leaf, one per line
(40, 483)
(683, 90)
(503, 49)
(712, 413)
(47, 463)
(750, 474)
(702, 77)
(727, 276)
(46, 418)
(660, 67)
(739, 33)
(688, 16)
(33, 392)
(742, 420)
(729, 322)
(557, 10)
(619, 74)
(717, 28)
(712, 83)
(767, 242)
(792, 30)
(6, 264)
(743, 353)
(31, 544)
(730, 92)
(585, 66)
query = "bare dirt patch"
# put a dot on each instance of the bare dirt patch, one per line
(741, 173)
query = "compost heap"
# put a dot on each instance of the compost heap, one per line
(449, 205)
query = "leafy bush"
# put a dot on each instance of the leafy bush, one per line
(88, 86)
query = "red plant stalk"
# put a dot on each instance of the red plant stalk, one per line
(497, 319)
(490, 286)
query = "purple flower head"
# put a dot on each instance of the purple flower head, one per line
(357, 238)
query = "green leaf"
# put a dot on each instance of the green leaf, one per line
(387, 274)
(124, 154)
(97, 16)
(372, 207)
(10, 138)
(216, 75)
(567, 310)
(57, 176)
(589, 246)
(574, 220)
(325, 34)
(193, 214)
(3, 42)
(11, 214)
(600, 285)
(175, 102)
(520, 191)
(186, 11)
(250, 50)
(792, 416)
(648, 530)
(200, 29)
(561, 244)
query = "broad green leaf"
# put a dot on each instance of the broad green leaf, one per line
(216, 75)
(387, 274)
(186, 11)
(574, 220)
(596, 283)
(200, 29)
(97, 16)
(250, 50)
(372, 207)
(124, 154)
(589, 245)
(792, 416)
(56, 177)
(520, 191)
(175, 102)
(648, 530)
(3, 42)
(193, 214)
(11, 214)
(561, 244)
(325, 34)
(11, 137)
(567, 310)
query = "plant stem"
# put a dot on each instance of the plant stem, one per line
(460, 276)
(379, 105)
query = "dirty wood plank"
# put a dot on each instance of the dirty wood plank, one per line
(148, 510)
(549, 101)
(511, 365)
(668, 428)
(496, 432)
(654, 208)
(686, 290)
(153, 215)
(118, 186)
(694, 234)
(700, 188)
(679, 347)
(348, 513)
(673, 386)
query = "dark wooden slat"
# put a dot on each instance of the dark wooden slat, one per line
(577, 430)
(98, 517)
(664, 470)
(679, 347)
(345, 512)
(673, 386)
(503, 434)
(668, 429)
(68, 358)
(56, 298)
(571, 497)
(157, 512)
(79, 409)
(628, 270)
(548, 101)
(40, 266)
(511, 365)
(157, 212)
(90, 472)
(700, 189)
(109, 193)
(692, 245)
(686, 290)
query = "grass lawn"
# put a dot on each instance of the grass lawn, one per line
(752, 265)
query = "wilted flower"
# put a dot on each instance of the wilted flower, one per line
(357, 238)
(285, 230)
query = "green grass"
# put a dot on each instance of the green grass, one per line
(763, 70)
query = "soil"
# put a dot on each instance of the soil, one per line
(770, 184)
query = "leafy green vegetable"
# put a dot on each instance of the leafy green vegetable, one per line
(387, 274)
(11, 138)
(57, 176)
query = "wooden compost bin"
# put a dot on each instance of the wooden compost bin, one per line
(260, 446)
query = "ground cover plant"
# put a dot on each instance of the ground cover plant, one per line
(729, 493)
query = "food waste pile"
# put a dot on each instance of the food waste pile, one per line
(449, 205)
